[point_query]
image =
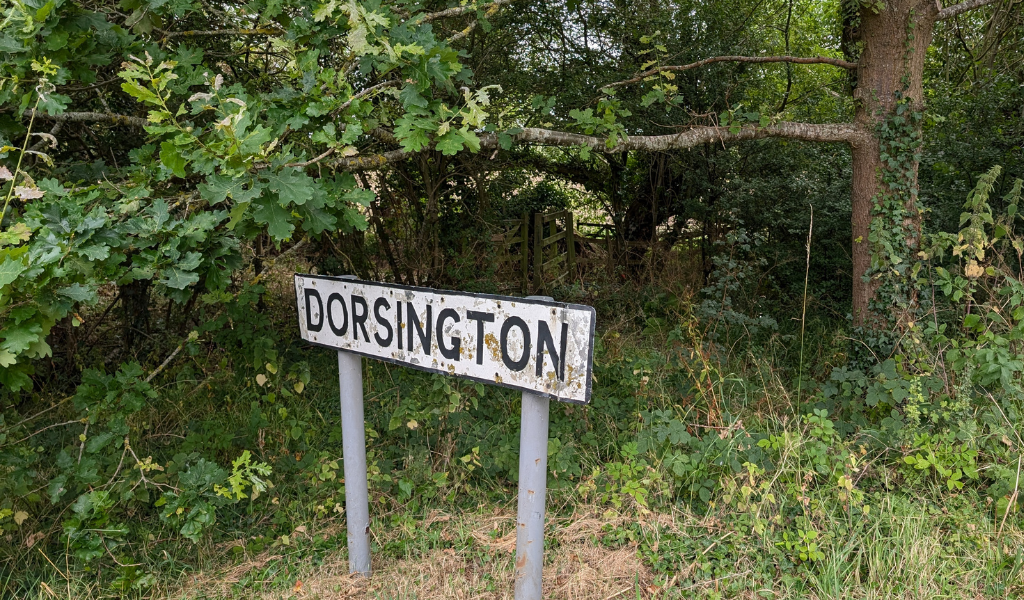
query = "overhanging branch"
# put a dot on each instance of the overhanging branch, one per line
(224, 32)
(363, 94)
(695, 136)
(92, 117)
(811, 132)
(460, 10)
(812, 60)
(951, 11)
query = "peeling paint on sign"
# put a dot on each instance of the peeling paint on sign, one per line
(533, 345)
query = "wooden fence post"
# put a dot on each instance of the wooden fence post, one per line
(524, 251)
(610, 267)
(538, 253)
(570, 243)
(553, 252)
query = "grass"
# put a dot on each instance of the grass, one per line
(622, 523)
(909, 552)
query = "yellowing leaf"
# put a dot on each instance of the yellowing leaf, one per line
(19, 517)
(28, 193)
(299, 386)
(261, 379)
(974, 270)
(271, 368)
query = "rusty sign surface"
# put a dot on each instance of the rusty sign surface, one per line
(533, 345)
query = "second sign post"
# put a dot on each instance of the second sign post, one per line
(536, 345)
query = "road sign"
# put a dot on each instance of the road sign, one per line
(542, 347)
(531, 345)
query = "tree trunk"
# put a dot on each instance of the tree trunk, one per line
(135, 304)
(890, 68)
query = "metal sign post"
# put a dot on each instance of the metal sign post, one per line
(533, 483)
(541, 347)
(353, 447)
(353, 443)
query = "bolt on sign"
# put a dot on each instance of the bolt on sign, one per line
(541, 347)
(531, 345)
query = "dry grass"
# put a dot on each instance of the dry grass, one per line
(577, 568)
(905, 557)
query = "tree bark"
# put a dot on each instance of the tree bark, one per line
(688, 138)
(895, 40)
(135, 304)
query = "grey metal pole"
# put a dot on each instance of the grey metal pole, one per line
(533, 481)
(533, 473)
(357, 507)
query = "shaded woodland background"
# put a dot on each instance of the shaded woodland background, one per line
(167, 165)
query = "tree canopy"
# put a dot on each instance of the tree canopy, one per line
(762, 170)
(147, 142)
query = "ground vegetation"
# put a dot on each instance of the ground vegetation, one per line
(809, 372)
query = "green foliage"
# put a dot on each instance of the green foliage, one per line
(152, 174)
(89, 530)
(986, 287)
(227, 155)
(896, 213)
(734, 296)
(245, 475)
(950, 461)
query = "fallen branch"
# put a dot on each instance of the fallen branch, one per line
(31, 435)
(166, 362)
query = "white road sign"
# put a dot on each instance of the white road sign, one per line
(532, 345)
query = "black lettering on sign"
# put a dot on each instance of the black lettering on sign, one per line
(338, 331)
(384, 342)
(453, 352)
(520, 343)
(398, 324)
(421, 332)
(480, 318)
(359, 319)
(557, 358)
(515, 365)
(312, 293)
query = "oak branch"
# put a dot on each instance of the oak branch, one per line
(951, 11)
(690, 138)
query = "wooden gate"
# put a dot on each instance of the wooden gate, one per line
(553, 262)
(515, 237)
(546, 253)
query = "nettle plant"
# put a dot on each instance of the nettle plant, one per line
(986, 288)
(978, 270)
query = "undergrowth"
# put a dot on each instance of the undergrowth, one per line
(900, 478)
